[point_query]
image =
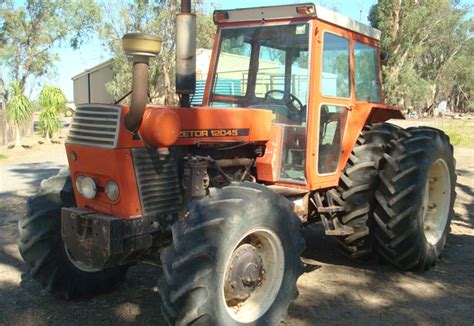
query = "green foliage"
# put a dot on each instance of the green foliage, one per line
(3, 156)
(425, 40)
(155, 18)
(19, 108)
(30, 30)
(53, 103)
(52, 98)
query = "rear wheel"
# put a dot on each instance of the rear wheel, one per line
(415, 199)
(235, 260)
(356, 191)
(44, 251)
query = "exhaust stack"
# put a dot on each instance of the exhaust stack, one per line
(185, 53)
(141, 47)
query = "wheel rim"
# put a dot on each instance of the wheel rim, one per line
(78, 264)
(253, 275)
(436, 202)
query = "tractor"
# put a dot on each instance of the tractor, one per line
(291, 131)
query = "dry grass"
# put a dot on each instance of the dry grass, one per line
(460, 132)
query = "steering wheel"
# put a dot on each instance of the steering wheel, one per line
(296, 108)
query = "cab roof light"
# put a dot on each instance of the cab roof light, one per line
(220, 16)
(308, 10)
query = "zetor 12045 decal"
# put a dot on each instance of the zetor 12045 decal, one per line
(213, 133)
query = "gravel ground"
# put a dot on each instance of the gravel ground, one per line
(334, 291)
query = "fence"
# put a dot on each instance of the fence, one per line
(264, 83)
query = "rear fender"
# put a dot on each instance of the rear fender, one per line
(384, 113)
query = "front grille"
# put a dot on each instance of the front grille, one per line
(157, 182)
(95, 125)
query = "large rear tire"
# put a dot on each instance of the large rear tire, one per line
(234, 260)
(415, 199)
(356, 191)
(44, 252)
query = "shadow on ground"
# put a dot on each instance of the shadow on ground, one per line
(23, 302)
(30, 175)
(340, 292)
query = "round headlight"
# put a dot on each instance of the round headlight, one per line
(86, 186)
(112, 190)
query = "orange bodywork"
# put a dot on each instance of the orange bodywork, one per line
(211, 125)
(104, 165)
(171, 126)
(202, 125)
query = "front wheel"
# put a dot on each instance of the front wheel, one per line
(235, 260)
(44, 252)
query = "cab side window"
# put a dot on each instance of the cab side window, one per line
(335, 77)
(332, 122)
(366, 73)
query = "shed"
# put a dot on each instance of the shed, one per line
(90, 85)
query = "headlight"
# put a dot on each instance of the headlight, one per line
(86, 186)
(112, 190)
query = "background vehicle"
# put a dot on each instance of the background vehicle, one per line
(218, 193)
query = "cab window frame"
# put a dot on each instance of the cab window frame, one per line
(378, 68)
(210, 96)
(318, 144)
(376, 44)
(350, 39)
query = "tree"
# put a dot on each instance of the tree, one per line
(53, 102)
(30, 31)
(18, 111)
(457, 83)
(155, 18)
(424, 39)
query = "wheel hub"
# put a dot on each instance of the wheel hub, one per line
(436, 202)
(244, 274)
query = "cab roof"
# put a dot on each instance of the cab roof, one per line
(300, 10)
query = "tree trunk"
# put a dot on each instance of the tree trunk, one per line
(48, 138)
(17, 138)
(168, 89)
(396, 19)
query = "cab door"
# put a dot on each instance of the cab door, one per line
(333, 90)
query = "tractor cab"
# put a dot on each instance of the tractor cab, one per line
(267, 67)
(315, 70)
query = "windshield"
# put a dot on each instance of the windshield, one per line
(264, 67)
(267, 68)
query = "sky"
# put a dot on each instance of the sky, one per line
(72, 62)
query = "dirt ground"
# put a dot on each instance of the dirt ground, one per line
(338, 292)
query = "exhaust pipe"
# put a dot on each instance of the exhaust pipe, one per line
(141, 47)
(185, 53)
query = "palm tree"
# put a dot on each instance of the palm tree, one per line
(18, 111)
(53, 102)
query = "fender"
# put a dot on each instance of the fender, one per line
(382, 113)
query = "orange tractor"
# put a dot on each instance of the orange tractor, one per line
(291, 131)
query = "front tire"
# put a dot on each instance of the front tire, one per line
(43, 249)
(234, 260)
(415, 199)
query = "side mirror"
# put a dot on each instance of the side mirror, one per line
(384, 56)
(140, 44)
